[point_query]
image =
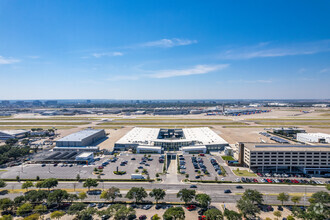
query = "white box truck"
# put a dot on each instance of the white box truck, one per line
(137, 177)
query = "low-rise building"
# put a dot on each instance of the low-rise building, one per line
(8, 134)
(81, 138)
(313, 138)
(87, 157)
(171, 139)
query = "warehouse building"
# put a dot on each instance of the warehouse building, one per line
(186, 139)
(288, 158)
(314, 138)
(81, 138)
(8, 134)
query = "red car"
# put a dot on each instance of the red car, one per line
(202, 155)
(191, 207)
(203, 217)
(100, 167)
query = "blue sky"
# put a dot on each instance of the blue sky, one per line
(164, 49)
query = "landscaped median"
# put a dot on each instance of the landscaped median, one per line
(239, 172)
(82, 180)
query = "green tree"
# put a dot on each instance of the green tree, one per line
(24, 209)
(86, 214)
(90, 183)
(6, 204)
(283, 197)
(47, 183)
(277, 214)
(290, 217)
(57, 214)
(27, 185)
(213, 214)
(186, 195)
(19, 200)
(328, 186)
(295, 199)
(174, 213)
(232, 215)
(40, 209)
(155, 217)
(36, 196)
(320, 197)
(72, 197)
(6, 217)
(111, 194)
(2, 184)
(57, 197)
(124, 213)
(247, 208)
(137, 193)
(76, 207)
(253, 195)
(204, 200)
(158, 194)
(34, 216)
(82, 196)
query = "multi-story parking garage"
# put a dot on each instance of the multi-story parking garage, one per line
(186, 139)
(308, 159)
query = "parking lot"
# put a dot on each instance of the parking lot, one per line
(69, 171)
(203, 168)
(130, 163)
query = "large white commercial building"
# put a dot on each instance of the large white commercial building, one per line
(308, 159)
(81, 138)
(186, 139)
(313, 137)
(8, 134)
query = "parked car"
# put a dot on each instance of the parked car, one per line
(191, 207)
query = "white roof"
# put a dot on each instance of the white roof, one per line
(85, 154)
(193, 148)
(13, 132)
(204, 135)
(145, 136)
(148, 147)
(80, 135)
(318, 135)
(139, 136)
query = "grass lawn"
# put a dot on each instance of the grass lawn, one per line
(244, 173)
(228, 158)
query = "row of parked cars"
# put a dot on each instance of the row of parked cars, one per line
(271, 180)
(283, 175)
(198, 163)
(215, 165)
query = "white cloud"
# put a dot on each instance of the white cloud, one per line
(325, 70)
(161, 74)
(8, 60)
(251, 81)
(168, 43)
(265, 50)
(110, 54)
(196, 70)
(302, 70)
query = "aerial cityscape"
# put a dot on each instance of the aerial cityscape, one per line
(173, 110)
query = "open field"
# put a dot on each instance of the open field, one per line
(30, 127)
(44, 123)
(288, 119)
(53, 119)
(160, 123)
(170, 119)
(293, 123)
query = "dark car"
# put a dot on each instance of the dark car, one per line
(227, 191)
(239, 187)
(193, 186)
